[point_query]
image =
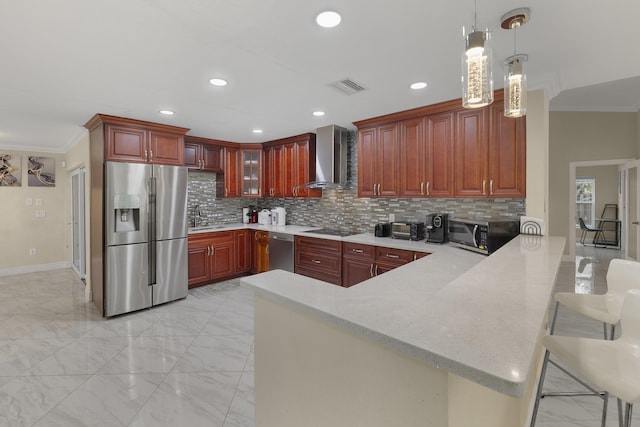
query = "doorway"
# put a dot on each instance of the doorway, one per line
(78, 222)
(573, 174)
(631, 208)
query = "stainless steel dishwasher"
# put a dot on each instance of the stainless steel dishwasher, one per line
(280, 251)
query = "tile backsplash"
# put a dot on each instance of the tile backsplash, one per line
(341, 208)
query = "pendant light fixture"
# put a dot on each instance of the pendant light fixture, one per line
(515, 79)
(477, 76)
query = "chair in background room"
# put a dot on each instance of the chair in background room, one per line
(599, 236)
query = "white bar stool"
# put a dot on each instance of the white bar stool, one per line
(612, 365)
(622, 276)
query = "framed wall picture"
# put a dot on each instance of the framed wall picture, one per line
(10, 170)
(41, 171)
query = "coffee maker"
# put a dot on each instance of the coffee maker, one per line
(437, 228)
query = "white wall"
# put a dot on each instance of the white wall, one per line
(538, 155)
(22, 231)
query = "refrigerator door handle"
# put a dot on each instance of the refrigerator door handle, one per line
(152, 230)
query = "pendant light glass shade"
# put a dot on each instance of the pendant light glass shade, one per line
(477, 76)
(515, 86)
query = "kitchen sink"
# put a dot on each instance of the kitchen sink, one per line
(206, 227)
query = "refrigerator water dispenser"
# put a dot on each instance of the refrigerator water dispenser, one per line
(126, 210)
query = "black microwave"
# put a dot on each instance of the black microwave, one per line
(483, 236)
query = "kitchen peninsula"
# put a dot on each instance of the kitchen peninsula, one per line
(452, 339)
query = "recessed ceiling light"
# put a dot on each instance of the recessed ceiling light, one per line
(418, 85)
(257, 131)
(167, 112)
(318, 113)
(328, 19)
(218, 82)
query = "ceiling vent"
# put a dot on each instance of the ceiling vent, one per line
(347, 86)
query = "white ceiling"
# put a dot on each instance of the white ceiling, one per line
(63, 61)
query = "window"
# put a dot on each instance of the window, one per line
(585, 200)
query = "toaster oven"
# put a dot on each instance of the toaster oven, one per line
(407, 230)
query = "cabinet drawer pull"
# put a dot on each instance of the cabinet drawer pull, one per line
(415, 257)
(371, 270)
(392, 256)
(315, 261)
(358, 251)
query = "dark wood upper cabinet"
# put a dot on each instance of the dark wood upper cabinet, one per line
(378, 161)
(507, 154)
(203, 154)
(439, 155)
(251, 172)
(290, 163)
(471, 148)
(413, 157)
(128, 140)
(231, 172)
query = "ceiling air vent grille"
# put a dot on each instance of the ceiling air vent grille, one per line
(347, 86)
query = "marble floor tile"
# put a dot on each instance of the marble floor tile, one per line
(190, 399)
(24, 400)
(148, 355)
(82, 356)
(178, 323)
(104, 400)
(242, 410)
(18, 356)
(229, 323)
(218, 353)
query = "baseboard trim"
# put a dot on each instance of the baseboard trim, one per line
(33, 268)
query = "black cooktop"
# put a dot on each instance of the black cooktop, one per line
(331, 232)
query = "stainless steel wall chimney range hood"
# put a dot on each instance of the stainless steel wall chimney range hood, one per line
(331, 158)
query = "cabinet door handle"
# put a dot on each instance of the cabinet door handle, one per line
(315, 261)
(151, 155)
(415, 257)
(422, 188)
(371, 270)
(376, 271)
(491, 186)
(392, 256)
(146, 155)
(208, 250)
(427, 188)
(484, 182)
(213, 251)
(226, 191)
(358, 251)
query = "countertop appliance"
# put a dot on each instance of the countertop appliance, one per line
(145, 254)
(409, 230)
(278, 216)
(382, 229)
(483, 236)
(331, 158)
(281, 251)
(264, 217)
(437, 226)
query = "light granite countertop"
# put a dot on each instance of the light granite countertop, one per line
(478, 317)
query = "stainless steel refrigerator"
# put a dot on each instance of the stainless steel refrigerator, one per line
(145, 259)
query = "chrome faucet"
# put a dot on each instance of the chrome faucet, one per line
(197, 215)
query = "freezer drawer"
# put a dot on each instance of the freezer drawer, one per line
(171, 271)
(126, 285)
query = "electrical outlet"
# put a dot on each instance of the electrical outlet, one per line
(392, 217)
(29, 202)
(33, 251)
(40, 214)
(38, 202)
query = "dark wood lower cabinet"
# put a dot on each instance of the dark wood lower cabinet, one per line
(259, 251)
(217, 256)
(361, 262)
(319, 258)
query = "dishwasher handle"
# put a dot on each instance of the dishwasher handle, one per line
(281, 236)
